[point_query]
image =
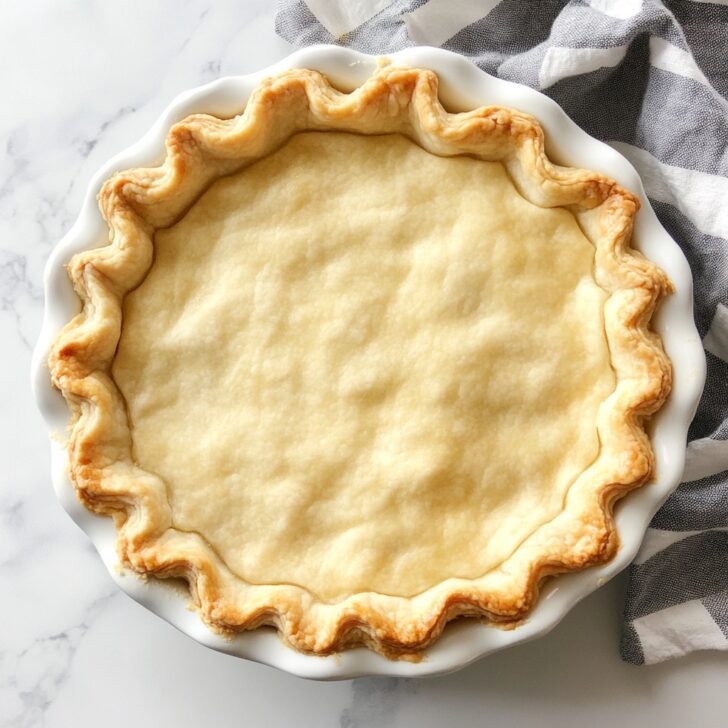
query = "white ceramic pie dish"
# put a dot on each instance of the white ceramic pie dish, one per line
(462, 86)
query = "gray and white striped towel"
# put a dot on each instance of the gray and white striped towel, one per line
(651, 79)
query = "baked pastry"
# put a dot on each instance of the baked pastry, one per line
(354, 366)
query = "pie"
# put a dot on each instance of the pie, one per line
(354, 366)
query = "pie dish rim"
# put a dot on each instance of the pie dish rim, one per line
(304, 59)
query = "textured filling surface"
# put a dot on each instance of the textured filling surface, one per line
(362, 367)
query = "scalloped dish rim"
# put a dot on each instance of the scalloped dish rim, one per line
(462, 81)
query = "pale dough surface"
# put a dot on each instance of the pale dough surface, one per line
(362, 367)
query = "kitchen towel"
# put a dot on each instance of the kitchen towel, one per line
(651, 79)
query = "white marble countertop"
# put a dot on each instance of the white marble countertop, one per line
(79, 82)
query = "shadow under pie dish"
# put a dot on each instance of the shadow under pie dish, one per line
(354, 366)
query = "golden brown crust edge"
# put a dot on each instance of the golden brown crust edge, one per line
(200, 148)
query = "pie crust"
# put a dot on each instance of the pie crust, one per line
(200, 149)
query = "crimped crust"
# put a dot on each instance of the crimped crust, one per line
(202, 148)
